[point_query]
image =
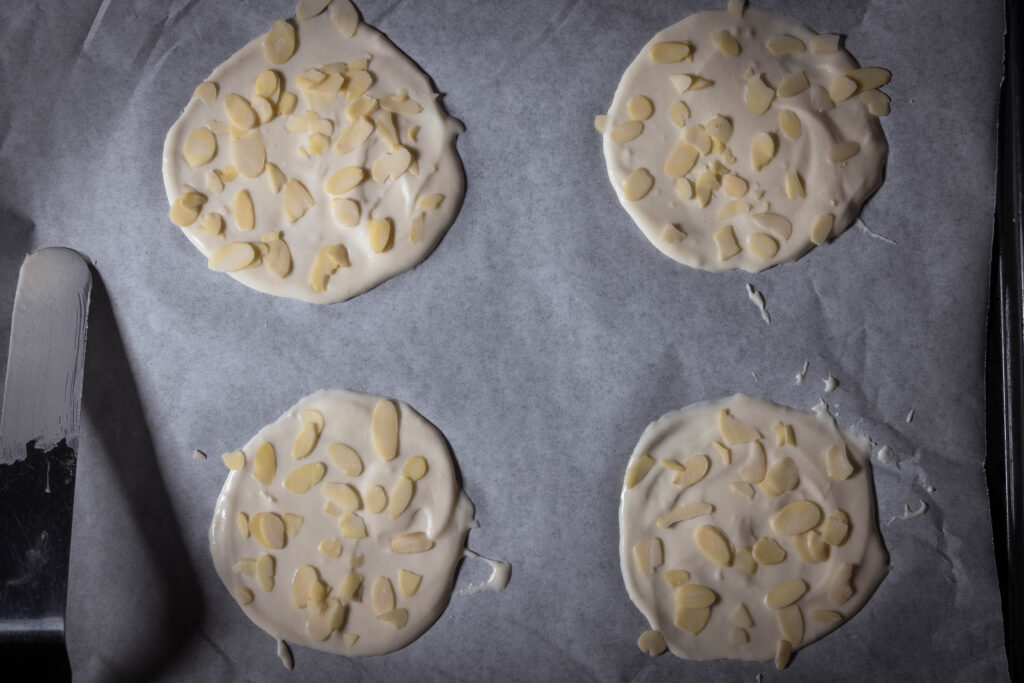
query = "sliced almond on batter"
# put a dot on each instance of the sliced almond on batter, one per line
(243, 595)
(683, 513)
(767, 551)
(325, 619)
(344, 495)
(762, 245)
(345, 17)
(239, 112)
(692, 595)
(820, 100)
(837, 528)
(626, 131)
(725, 240)
(265, 567)
(330, 547)
(248, 154)
(719, 128)
(344, 180)
(306, 441)
(796, 518)
(376, 499)
(785, 45)
(200, 147)
(649, 555)
(697, 136)
(398, 618)
(791, 623)
(185, 210)
(357, 83)
(297, 200)
(817, 549)
(601, 123)
(382, 595)
(380, 232)
(825, 44)
(726, 43)
(264, 464)
(825, 616)
(684, 188)
(839, 588)
(676, 577)
(712, 542)
(211, 223)
(391, 165)
(415, 542)
(205, 92)
(345, 459)
(680, 160)
(349, 590)
(303, 478)
(679, 112)
(232, 257)
(773, 222)
(268, 529)
(792, 85)
(692, 620)
(637, 185)
(279, 258)
(638, 470)
(762, 150)
(671, 52)
(843, 151)
(785, 594)
(837, 463)
(242, 521)
(384, 429)
(756, 464)
(352, 525)
(789, 122)
(794, 185)
(781, 477)
(841, 89)
(652, 643)
(292, 524)
(401, 496)
(734, 186)
(723, 452)
(742, 488)
(870, 77)
(279, 43)
(353, 136)
(757, 95)
(876, 101)
(640, 108)
(328, 260)
(738, 636)
(408, 582)
(694, 469)
(783, 651)
(744, 561)
(345, 211)
(741, 617)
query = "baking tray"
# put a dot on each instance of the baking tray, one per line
(1004, 366)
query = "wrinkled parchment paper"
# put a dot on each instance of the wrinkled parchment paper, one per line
(541, 337)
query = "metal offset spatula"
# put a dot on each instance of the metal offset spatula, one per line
(38, 453)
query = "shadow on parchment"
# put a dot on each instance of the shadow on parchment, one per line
(168, 591)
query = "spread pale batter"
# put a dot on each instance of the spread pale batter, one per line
(316, 162)
(747, 529)
(341, 524)
(743, 139)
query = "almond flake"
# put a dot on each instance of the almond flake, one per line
(679, 112)
(649, 555)
(346, 212)
(825, 44)
(279, 44)
(692, 620)
(869, 78)
(741, 617)
(626, 131)
(232, 257)
(681, 159)
(239, 111)
(684, 188)
(726, 43)
(264, 464)
(248, 154)
(352, 525)
(401, 496)
(738, 636)
(767, 551)
(791, 623)
(876, 101)
(265, 566)
(670, 234)
(268, 530)
(638, 470)
(694, 470)
(839, 588)
(837, 528)
(742, 488)
(837, 463)
(380, 232)
(744, 561)
(762, 150)
(796, 518)
(330, 547)
(683, 513)
(789, 122)
(783, 651)
(723, 452)
(637, 185)
(601, 123)
(817, 549)
(349, 590)
(211, 223)
(242, 521)
(398, 618)
(781, 477)
(353, 136)
(206, 92)
(303, 478)
(841, 89)
(346, 497)
(820, 100)
(825, 616)
(640, 108)
(725, 240)
(792, 85)
(200, 147)
(676, 577)
(785, 594)
(345, 17)
(841, 152)
(671, 52)
(408, 582)
(757, 95)
(692, 595)
(762, 245)
(773, 222)
(382, 595)
(416, 542)
(346, 459)
(712, 542)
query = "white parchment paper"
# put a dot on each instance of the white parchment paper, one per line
(541, 337)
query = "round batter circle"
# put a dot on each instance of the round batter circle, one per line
(676, 438)
(676, 224)
(408, 202)
(438, 508)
